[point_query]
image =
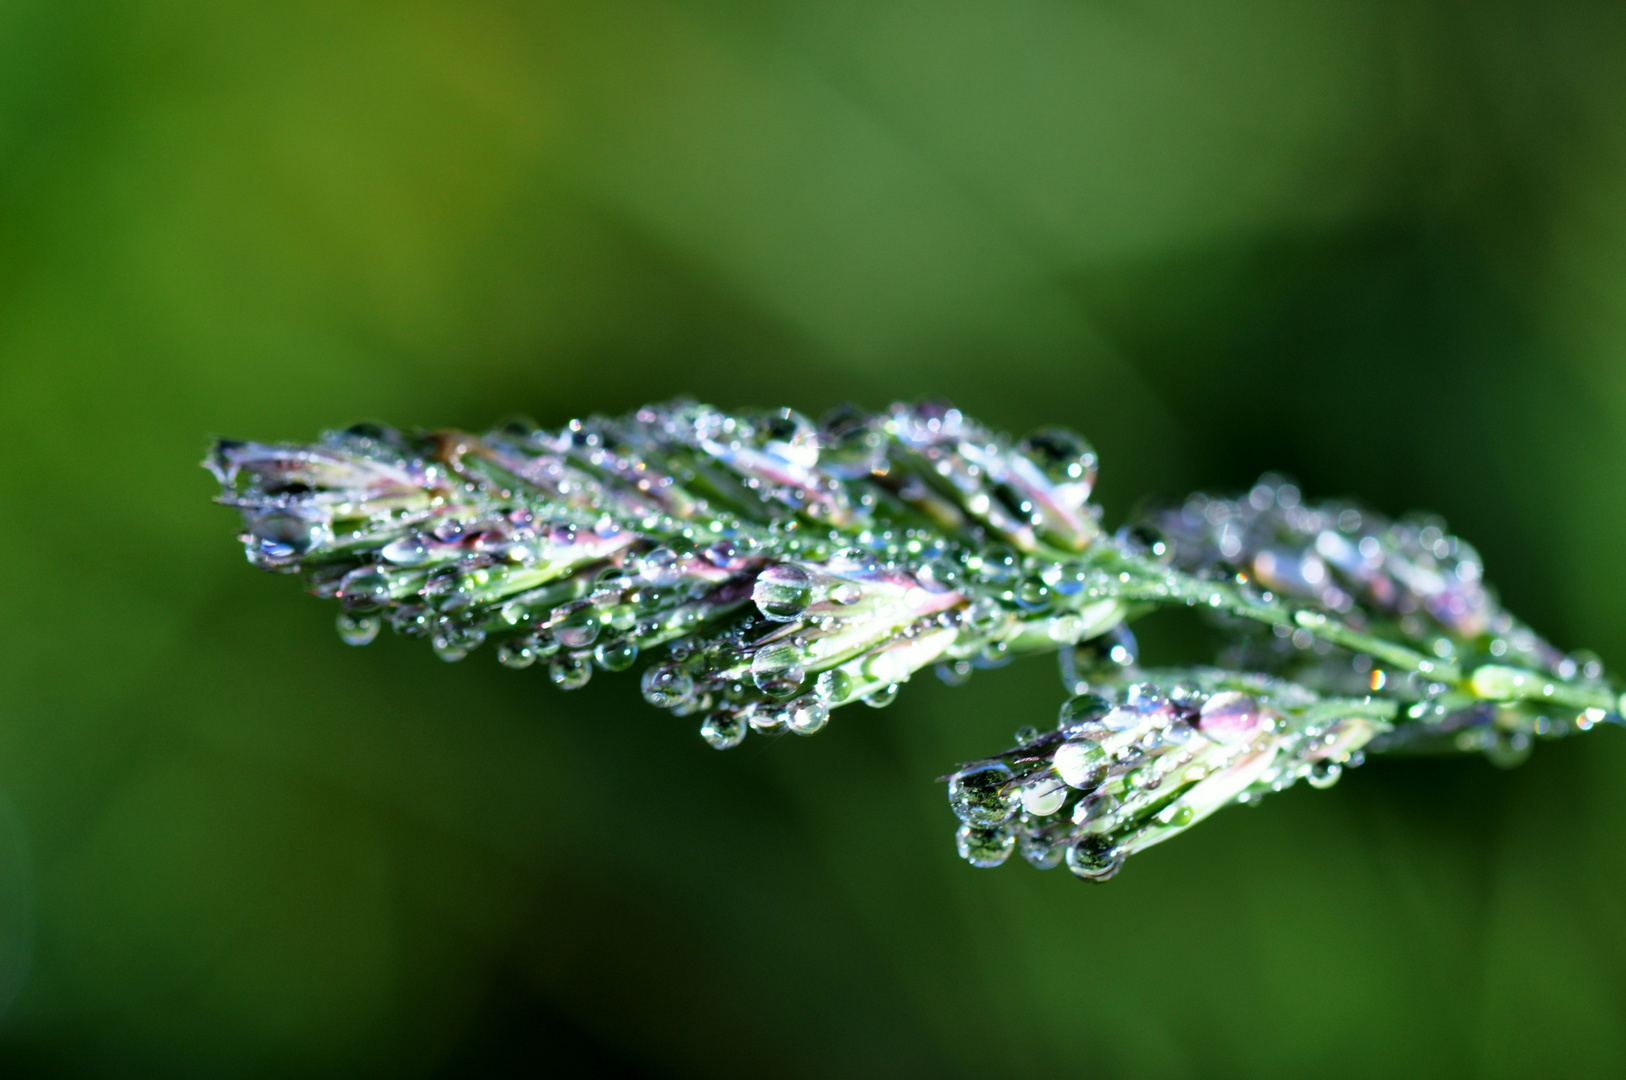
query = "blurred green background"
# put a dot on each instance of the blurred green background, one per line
(1381, 246)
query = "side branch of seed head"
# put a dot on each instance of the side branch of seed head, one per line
(773, 570)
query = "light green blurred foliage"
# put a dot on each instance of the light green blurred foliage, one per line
(1379, 245)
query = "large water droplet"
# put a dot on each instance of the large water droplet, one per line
(1040, 851)
(782, 592)
(358, 629)
(570, 672)
(808, 715)
(723, 730)
(1062, 456)
(1094, 858)
(1324, 774)
(615, 655)
(768, 718)
(1080, 764)
(986, 848)
(778, 671)
(1044, 796)
(365, 589)
(516, 653)
(665, 686)
(981, 795)
(283, 537)
(791, 437)
(833, 686)
(408, 550)
(1230, 717)
(1083, 709)
(882, 697)
(580, 628)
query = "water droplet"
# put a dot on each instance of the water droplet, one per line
(358, 629)
(782, 592)
(882, 697)
(281, 537)
(546, 646)
(833, 686)
(665, 686)
(723, 730)
(981, 795)
(1033, 594)
(1083, 709)
(615, 655)
(1026, 734)
(1094, 858)
(846, 593)
(580, 628)
(1044, 796)
(1063, 457)
(1230, 717)
(1040, 851)
(365, 588)
(516, 653)
(570, 672)
(778, 671)
(986, 848)
(984, 614)
(768, 718)
(1080, 764)
(663, 566)
(1324, 773)
(955, 673)
(410, 620)
(998, 563)
(449, 647)
(409, 550)
(940, 575)
(808, 715)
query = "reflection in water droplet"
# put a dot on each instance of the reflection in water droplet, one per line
(516, 653)
(985, 848)
(782, 592)
(881, 698)
(808, 715)
(666, 687)
(833, 686)
(723, 730)
(981, 795)
(358, 629)
(615, 655)
(570, 672)
(1094, 858)
(777, 670)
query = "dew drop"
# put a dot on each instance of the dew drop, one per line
(1083, 709)
(667, 687)
(1041, 852)
(579, 629)
(358, 629)
(1063, 456)
(1080, 764)
(570, 672)
(1230, 717)
(808, 715)
(723, 730)
(1044, 796)
(517, 653)
(882, 697)
(283, 537)
(981, 795)
(782, 592)
(407, 551)
(615, 655)
(777, 670)
(1094, 858)
(1324, 773)
(984, 848)
(833, 686)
